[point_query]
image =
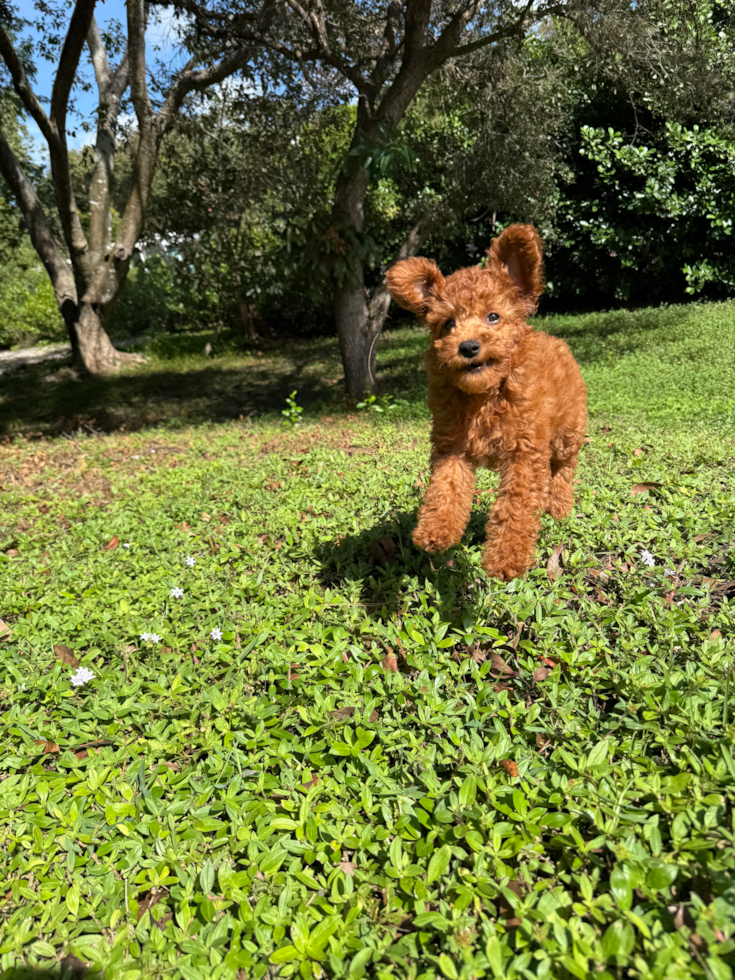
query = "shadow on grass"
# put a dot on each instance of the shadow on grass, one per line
(388, 567)
(69, 968)
(180, 386)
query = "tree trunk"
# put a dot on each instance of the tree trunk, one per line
(356, 331)
(360, 323)
(92, 348)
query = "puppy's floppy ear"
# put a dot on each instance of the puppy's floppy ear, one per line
(413, 282)
(519, 249)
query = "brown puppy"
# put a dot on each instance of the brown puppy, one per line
(502, 396)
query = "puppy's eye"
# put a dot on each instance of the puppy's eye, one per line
(449, 325)
(492, 318)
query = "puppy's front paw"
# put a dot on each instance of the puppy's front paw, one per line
(504, 569)
(435, 538)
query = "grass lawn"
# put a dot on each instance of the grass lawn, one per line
(337, 757)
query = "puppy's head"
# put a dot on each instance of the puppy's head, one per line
(477, 317)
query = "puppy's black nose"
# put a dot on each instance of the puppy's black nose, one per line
(469, 348)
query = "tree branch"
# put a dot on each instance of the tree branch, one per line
(148, 140)
(418, 13)
(22, 86)
(71, 52)
(136, 47)
(519, 27)
(189, 80)
(110, 87)
(99, 57)
(316, 24)
(389, 47)
(37, 224)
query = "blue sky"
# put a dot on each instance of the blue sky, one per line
(160, 40)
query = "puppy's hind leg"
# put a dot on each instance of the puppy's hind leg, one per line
(565, 448)
(561, 490)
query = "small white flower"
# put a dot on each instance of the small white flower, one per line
(647, 558)
(23, 686)
(136, 456)
(153, 452)
(154, 637)
(126, 545)
(191, 562)
(82, 676)
(177, 593)
(145, 637)
(216, 633)
(670, 572)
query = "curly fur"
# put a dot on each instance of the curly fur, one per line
(518, 404)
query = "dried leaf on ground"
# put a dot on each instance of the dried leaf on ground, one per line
(348, 867)
(112, 543)
(642, 487)
(473, 652)
(499, 666)
(554, 564)
(510, 767)
(5, 631)
(50, 748)
(390, 663)
(541, 673)
(66, 655)
(341, 714)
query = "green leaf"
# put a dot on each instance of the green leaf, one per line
(494, 953)
(433, 920)
(360, 960)
(598, 756)
(468, 791)
(661, 874)
(284, 954)
(620, 886)
(439, 863)
(72, 900)
(320, 934)
(447, 967)
(206, 877)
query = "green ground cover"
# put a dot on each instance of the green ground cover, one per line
(385, 765)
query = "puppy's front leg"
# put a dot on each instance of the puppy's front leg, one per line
(514, 521)
(446, 509)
